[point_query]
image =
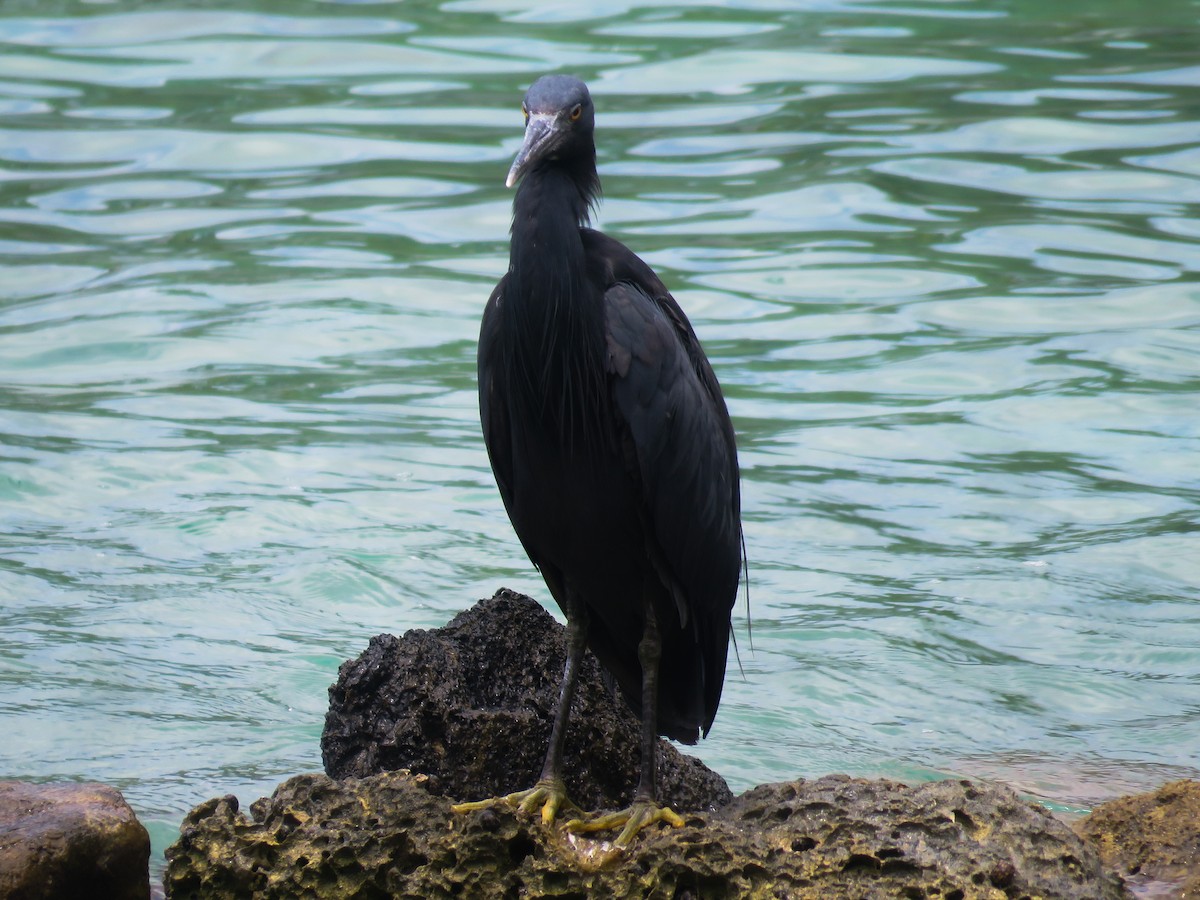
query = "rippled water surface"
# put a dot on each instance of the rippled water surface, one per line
(944, 257)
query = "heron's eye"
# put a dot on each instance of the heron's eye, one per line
(525, 113)
(576, 112)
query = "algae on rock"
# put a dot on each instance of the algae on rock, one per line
(835, 838)
(1151, 838)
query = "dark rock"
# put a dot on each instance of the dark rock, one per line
(67, 841)
(835, 839)
(470, 704)
(1152, 839)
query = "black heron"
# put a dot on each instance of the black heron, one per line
(613, 451)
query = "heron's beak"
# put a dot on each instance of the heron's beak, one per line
(540, 136)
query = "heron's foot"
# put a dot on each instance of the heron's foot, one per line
(630, 821)
(550, 794)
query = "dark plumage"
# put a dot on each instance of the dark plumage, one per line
(612, 447)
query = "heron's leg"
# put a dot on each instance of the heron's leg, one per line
(645, 809)
(550, 792)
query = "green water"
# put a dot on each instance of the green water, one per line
(943, 256)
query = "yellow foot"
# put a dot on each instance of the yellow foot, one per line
(630, 821)
(550, 794)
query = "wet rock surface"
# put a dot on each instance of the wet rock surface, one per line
(1152, 839)
(835, 838)
(466, 708)
(470, 705)
(69, 841)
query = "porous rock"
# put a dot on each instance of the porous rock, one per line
(470, 705)
(1152, 839)
(835, 838)
(68, 841)
(466, 708)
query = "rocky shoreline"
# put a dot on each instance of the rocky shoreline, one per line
(462, 712)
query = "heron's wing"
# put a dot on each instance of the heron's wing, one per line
(666, 390)
(682, 443)
(682, 440)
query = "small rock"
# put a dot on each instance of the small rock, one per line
(1152, 839)
(470, 705)
(858, 838)
(69, 841)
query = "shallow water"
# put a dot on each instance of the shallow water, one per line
(943, 257)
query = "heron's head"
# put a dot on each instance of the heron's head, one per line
(559, 121)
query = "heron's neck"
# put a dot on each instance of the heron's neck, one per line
(554, 310)
(546, 258)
